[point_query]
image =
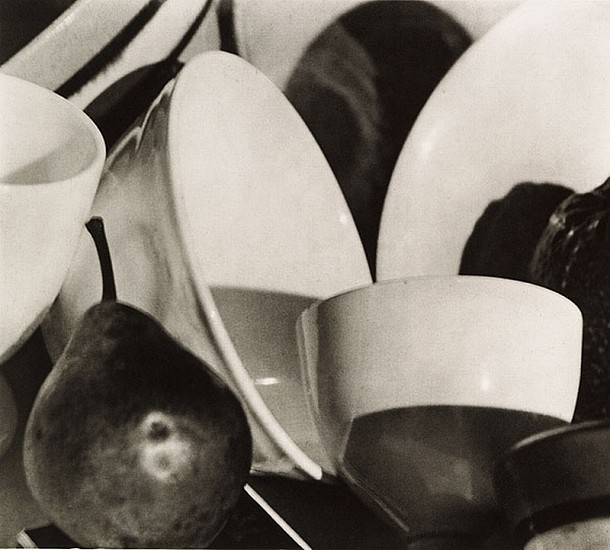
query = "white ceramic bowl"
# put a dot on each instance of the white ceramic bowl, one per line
(221, 184)
(51, 158)
(527, 102)
(418, 385)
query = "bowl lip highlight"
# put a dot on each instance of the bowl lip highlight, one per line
(94, 163)
(561, 432)
(398, 281)
(235, 372)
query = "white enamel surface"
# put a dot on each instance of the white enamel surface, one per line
(587, 534)
(271, 229)
(153, 44)
(220, 184)
(51, 158)
(272, 34)
(88, 26)
(527, 102)
(472, 341)
(71, 40)
(258, 194)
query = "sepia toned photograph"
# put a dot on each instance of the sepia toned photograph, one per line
(305, 274)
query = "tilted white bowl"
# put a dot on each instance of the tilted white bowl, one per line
(51, 159)
(527, 102)
(221, 184)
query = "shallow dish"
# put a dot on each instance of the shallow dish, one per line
(527, 102)
(92, 44)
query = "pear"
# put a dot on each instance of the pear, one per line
(133, 441)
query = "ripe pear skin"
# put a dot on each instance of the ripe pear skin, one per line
(132, 440)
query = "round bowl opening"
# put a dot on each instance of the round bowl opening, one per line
(44, 138)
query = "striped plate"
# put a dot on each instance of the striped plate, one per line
(93, 44)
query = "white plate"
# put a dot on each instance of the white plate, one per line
(93, 44)
(274, 34)
(222, 184)
(529, 101)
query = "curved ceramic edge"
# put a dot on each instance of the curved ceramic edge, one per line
(153, 44)
(82, 40)
(398, 280)
(316, 321)
(555, 478)
(67, 106)
(511, 109)
(560, 433)
(52, 196)
(70, 41)
(238, 372)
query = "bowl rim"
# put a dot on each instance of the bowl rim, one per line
(555, 434)
(497, 281)
(68, 110)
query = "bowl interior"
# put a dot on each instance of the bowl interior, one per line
(42, 139)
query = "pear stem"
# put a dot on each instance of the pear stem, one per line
(95, 226)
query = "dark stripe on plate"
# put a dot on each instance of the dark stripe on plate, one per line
(111, 51)
(226, 27)
(188, 36)
(117, 107)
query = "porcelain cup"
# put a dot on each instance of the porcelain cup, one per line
(419, 384)
(51, 159)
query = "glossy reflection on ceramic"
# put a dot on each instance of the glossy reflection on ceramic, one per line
(419, 384)
(527, 102)
(222, 185)
(51, 158)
